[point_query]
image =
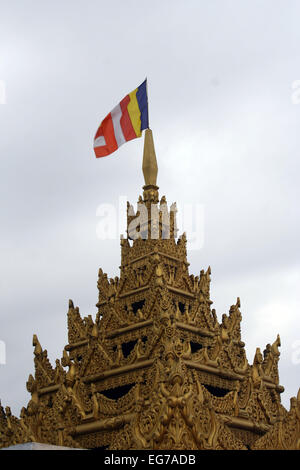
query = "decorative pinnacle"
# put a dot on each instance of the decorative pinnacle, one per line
(150, 168)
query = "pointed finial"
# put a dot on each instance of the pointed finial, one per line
(38, 348)
(150, 168)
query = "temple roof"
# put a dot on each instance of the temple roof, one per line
(155, 369)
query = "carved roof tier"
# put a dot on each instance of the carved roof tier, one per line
(155, 369)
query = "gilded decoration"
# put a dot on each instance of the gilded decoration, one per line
(155, 368)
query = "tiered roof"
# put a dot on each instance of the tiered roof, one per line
(155, 369)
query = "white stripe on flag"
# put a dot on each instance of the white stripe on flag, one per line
(116, 115)
(100, 141)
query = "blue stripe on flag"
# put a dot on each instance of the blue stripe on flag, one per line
(142, 100)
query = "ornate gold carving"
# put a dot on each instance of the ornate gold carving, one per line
(155, 369)
(285, 433)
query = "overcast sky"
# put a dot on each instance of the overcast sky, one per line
(226, 131)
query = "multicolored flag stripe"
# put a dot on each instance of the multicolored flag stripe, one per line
(125, 122)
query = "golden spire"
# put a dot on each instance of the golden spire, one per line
(149, 160)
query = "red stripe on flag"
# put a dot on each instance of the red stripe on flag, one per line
(126, 125)
(106, 129)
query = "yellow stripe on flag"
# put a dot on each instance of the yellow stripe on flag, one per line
(134, 113)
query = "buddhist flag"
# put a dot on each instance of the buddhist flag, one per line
(125, 122)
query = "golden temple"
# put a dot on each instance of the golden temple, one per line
(155, 369)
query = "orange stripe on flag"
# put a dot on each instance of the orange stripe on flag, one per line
(107, 131)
